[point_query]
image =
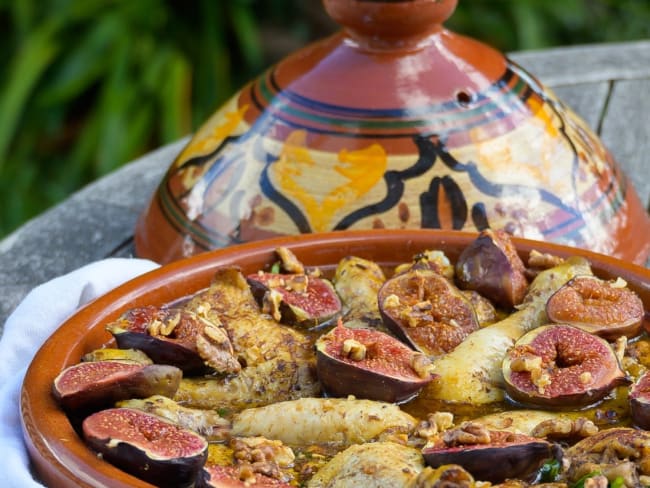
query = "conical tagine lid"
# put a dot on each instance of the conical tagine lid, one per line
(394, 122)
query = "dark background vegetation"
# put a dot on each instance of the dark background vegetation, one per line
(88, 85)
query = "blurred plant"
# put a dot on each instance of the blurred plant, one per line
(91, 84)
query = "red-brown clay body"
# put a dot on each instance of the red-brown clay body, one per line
(60, 457)
(394, 122)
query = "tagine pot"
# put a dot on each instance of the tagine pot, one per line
(394, 122)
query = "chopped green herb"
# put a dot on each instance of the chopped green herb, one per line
(549, 471)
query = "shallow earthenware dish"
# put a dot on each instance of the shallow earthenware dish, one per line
(60, 457)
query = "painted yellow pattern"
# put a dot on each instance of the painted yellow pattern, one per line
(513, 158)
(207, 140)
(361, 169)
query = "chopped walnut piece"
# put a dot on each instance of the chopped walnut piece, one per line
(619, 348)
(540, 260)
(421, 364)
(271, 304)
(289, 261)
(598, 481)
(565, 428)
(261, 455)
(298, 283)
(391, 301)
(353, 349)
(467, 433)
(214, 346)
(434, 424)
(532, 364)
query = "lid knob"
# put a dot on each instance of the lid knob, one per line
(390, 24)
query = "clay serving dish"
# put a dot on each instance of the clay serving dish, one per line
(58, 454)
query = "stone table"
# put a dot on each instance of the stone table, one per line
(607, 84)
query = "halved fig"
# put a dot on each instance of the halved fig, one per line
(178, 337)
(559, 365)
(639, 398)
(491, 455)
(101, 383)
(491, 266)
(369, 364)
(295, 299)
(427, 311)
(147, 446)
(606, 308)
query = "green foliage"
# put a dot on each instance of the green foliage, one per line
(89, 85)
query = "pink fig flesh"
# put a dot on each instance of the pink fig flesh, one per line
(427, 311)
(369, 364)
(606, 308)
(101, 383)
(559, 365)
(147, 446)
(295, 299)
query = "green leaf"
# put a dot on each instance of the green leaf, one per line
(84, 64)
(26, 67)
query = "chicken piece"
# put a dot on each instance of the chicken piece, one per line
(522, 421)
(373, 465)
(112, 354)
(208, 423)
(272, 381)
(430, 259)
(309, 421)
(255, 337)
(357, 282)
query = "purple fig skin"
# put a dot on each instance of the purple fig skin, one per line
(491, 266)
(507, 456)
(147, 446)
(102, 383)
(314, 306)
(179, 348)
(386, 373)
(639, 398)
(566, 368)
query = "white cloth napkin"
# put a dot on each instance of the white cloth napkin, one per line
(27, 328)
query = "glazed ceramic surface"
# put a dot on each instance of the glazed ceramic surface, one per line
(59, 455)
(395, 122)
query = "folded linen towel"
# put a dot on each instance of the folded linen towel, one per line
(27, 328)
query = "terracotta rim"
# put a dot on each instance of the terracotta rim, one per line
(58, 454)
